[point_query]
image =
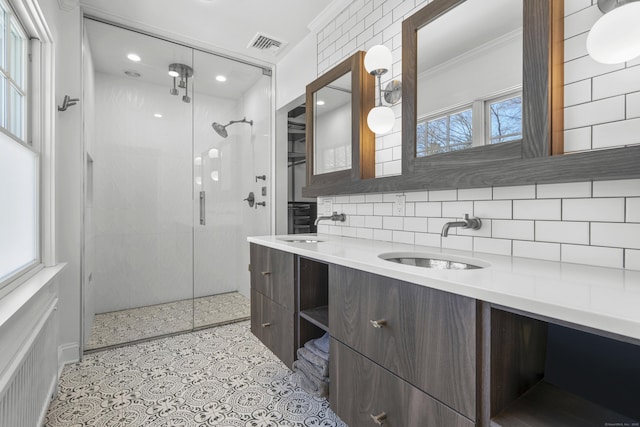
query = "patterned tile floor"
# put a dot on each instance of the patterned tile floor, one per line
(221, 376)
(135, 324)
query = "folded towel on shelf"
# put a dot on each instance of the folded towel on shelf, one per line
(310, 384)
(317, 363)
(318, 371)
(312, 347)
(323, 342)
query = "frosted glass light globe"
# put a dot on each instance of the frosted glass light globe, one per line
(381, 119)
(615, 37)
(378, 57)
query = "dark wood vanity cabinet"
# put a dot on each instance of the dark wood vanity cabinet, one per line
(426, 337)
(272, 300)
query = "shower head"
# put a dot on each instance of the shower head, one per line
(222, 129)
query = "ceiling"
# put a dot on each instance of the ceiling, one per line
(225, 26)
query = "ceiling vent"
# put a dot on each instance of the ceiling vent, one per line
(264, 42)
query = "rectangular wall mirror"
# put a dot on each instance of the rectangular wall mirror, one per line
(482, 80)
(340, 146)
(469, 82)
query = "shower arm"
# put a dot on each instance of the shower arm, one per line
(244, 120)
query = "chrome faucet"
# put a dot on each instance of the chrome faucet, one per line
(473, 223)
(335, 216)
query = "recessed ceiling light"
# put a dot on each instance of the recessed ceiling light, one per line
(133, 57)
(221, 78)
(158, 115)
(174, 73)
(320, 102)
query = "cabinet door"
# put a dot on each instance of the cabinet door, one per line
(425, 336)
(272, 274)
(273, 324)
(360, 389)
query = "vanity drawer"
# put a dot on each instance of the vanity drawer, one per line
(273, 324)
(272, 274)
(360, 389)
(425, 336)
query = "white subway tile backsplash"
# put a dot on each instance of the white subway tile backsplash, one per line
(581, 21)
(385, 155)
(383, 235)
(573, 6)
(430, 209)
(457, 209)
(513, 229)
(565, 190)
(434, 225)
(393, 167)
(603, 111)
(624, 132)
(492, 246)
(417, 196)
(484, 231)
(475, 193)
(585, 68)
(575, 47)
(497, 209)
(393, 222)
(428, 239)
(618, 82)
(537, 209)
(606, 209)
(537, 250)
(515, 192)
(349, 209)
(616, 235)
(390, 197)
(365, 209)
(562, 232)
(593, 255)
(632, 259)
(373, 198)
(618, 188)
(364, 233)
(442, 195)
(416, 224)
(383, 209)
(410, 209)
(373, 221)
(463, 243)
(349, 232)
(403, 237)
(577, 139)
(633, 105)
(357, 198)
(356, 221)
(577, 93)
(633, 209)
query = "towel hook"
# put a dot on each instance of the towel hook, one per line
(67, 102)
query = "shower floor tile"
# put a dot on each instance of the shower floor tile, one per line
(219, 376)
(119, 327)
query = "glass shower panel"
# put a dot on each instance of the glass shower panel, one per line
(140, 219)
(232, 127)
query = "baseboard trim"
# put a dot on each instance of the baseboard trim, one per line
(67, 353)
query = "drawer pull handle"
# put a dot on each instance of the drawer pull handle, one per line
(378, 323)
(379, 419)
(265, 325)
(265, 273)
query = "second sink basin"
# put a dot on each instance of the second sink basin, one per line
(301, 239)
(433, 261)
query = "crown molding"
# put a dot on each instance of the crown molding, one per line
(68, 5)
(327, 15)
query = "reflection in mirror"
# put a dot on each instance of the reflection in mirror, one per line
(469, 85)
(332, 126)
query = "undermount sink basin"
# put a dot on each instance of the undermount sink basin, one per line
(434, 261)
(302, 239)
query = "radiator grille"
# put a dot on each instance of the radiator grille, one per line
(27, 384)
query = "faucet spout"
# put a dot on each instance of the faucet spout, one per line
(335, 216)
(472, 223)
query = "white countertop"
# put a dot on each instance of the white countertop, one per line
(602, 298)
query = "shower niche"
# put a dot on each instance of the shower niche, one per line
(177, 136)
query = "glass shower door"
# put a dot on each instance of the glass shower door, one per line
(232, 159)
(138, 221)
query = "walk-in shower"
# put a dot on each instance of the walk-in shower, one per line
(222, 129)
(157, 258)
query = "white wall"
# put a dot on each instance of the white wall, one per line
(596, 223)
(296, 70)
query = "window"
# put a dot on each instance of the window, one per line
(462, 128)
(19, 162)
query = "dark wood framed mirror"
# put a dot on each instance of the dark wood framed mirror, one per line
(437, 134)
(340, 147)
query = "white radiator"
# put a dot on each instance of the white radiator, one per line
(26, 386)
